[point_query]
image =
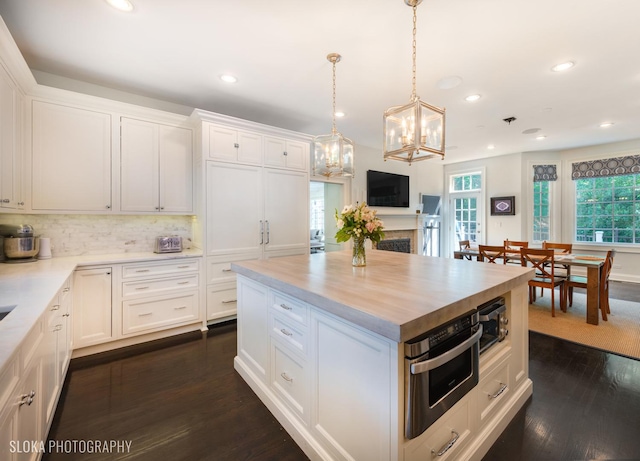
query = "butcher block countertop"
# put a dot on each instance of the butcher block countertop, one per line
(396, 295)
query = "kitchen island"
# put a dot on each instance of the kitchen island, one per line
(322, 344)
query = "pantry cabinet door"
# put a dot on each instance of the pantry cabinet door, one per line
(71, 168)
(234, 209)
(286, 207)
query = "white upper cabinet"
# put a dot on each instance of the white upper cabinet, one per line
(284, 153)
(156, 167)
(71, 162)
(231, 145)
(11, 100)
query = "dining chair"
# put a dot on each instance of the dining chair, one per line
(465, 245)
(559, 248)
(490, 253)
(579, 281)
(543, 261)
(512, 248)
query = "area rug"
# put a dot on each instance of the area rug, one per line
(619, 335)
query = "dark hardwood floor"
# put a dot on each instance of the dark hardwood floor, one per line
(184, 401)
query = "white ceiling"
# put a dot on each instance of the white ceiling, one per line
(502, 49)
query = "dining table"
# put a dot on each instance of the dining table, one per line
(592, 263)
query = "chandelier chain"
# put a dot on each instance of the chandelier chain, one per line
(414, 97)
(334, 97)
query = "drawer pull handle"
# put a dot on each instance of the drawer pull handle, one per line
(445, 448)
(66, 289)
(183, 283)
(229, 301)
(145, 314)
(226, 270)
(27, 398)
(58, 327)
(503, 387)
(181, 307)
(66, 315)
(285, 307)
(183, 267)
(142, 270)
(285, 332)
(55, 307)
(286, 377)
(142, 288)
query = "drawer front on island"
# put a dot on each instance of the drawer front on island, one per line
(289, 380)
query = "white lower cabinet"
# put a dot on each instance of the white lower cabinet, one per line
(253, 345)
(114, 305)
(92, 322)
(222, 301)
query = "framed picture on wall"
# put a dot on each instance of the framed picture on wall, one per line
(503, 206)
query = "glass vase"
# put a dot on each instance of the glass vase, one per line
(359, 255)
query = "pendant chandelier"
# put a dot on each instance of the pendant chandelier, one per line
(333, 153)
(415, 131)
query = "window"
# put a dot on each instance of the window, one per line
(608, 209)
(466, 182)
(541, 211)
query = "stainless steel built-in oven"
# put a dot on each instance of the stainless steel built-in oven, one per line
(493, 318)
(441, 366)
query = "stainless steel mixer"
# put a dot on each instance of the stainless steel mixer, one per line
(18, 244)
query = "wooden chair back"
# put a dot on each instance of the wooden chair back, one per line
(564, 248)
(543, 261)
(465, 245)
(490, 254)
(515, 245)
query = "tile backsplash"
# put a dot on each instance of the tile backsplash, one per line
(74, 235)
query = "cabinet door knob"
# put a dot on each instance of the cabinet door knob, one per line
(236, 145)
(285, 153)
(108, 207)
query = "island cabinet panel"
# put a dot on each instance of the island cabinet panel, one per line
(253, 345)
(353, 400)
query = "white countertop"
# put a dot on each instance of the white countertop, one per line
(31, 287)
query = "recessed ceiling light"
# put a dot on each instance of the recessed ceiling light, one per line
(228, 78)
(541, 137)
(491, 146)
(606, 124)
(563, 66)
(339, 114)
(472, 97)
(122, 5)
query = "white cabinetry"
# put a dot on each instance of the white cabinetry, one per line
(253, 345)
(231, 145)
(283, 153)
(71, 158)
(92, 322)
(157, 296)
(22, 404)
(11, 100)
(156, 167)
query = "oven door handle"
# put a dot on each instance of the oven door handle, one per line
(426, 365)
(493, 314)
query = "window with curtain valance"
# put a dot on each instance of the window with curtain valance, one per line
(616, 166)
(544, 173)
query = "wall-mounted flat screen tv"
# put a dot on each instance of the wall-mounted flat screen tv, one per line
(387, 189)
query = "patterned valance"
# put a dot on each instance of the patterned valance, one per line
(544, 173)
(617, 166)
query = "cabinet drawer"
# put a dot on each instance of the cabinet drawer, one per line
(454, 425)
(157, 313)
(147, 287)
(492, 390)
(221, 302)
(293, 336)
(291, 308)
(288, 379)
(173, 267)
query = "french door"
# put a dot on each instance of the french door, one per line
(466, 217)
